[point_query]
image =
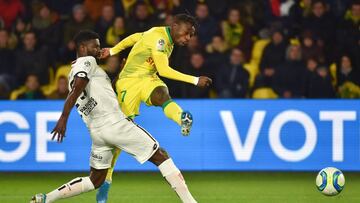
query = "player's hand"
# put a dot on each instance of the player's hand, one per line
(104, 53)
(204, 81)
(59, 131)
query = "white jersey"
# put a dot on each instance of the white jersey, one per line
(97, 105)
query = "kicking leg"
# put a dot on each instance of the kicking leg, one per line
(74, 187)
(160, 97)
(102, 193)
(172, 174)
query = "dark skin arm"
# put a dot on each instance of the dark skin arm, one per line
(60, 128)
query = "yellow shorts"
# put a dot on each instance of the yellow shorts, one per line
(132, 91)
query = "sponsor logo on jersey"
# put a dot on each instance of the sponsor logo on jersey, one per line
(150, 61)
(88, 107)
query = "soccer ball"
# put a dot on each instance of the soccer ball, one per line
(330, 181)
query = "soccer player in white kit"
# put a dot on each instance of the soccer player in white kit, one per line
(92, 94)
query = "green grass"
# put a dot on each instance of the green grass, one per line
(216, 187)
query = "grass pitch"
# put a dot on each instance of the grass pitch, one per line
(150, 187)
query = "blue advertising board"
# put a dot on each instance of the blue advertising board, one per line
(300, 135)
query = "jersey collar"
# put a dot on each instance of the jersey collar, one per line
(168, 34)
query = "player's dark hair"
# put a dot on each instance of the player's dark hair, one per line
(84, 36)
(185, 18)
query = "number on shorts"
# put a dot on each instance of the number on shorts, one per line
(123, 93)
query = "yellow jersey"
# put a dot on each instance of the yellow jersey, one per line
(150, 54)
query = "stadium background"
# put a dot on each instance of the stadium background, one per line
(288, 51)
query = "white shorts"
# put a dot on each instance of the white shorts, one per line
(125, 135)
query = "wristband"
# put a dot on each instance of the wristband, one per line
(196, 80)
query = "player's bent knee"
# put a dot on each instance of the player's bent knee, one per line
(159, 96)
(164, 153)
(159, 156)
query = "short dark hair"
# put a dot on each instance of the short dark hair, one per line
(84, 36)
(185, 18)
(318, 1)
(30, 32)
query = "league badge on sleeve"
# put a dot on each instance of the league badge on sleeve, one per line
(160, 46)
(87, 63)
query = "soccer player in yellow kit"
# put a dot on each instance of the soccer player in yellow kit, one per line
(138, 81)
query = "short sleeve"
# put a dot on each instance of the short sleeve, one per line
(83, 67)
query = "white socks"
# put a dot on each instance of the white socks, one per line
(173, 175)
(81, 185)
(70, 189)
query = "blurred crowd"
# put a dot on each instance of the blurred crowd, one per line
(250, 48)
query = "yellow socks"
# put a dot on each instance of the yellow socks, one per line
(113, 162)
(172, 111)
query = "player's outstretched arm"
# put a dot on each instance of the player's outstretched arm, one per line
(60, 128)
(123, 44)
(162, 65)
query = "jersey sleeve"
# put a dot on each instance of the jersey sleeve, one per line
(158, 46)
(125, 43)
(83, 68)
